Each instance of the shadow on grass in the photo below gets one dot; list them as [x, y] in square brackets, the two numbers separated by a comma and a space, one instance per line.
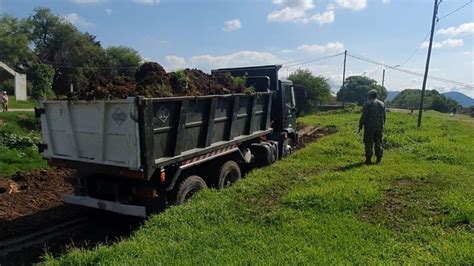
[350, 167]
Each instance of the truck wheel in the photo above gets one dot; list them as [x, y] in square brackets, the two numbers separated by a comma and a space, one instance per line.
[287, 147]
[188, 187]
[229, 173]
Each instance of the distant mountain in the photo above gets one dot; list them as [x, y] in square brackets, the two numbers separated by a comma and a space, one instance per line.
[391, 95]
[461, 98]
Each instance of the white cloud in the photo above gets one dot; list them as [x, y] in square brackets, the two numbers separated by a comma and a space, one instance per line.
[329, 48]
[232, 25]
[352, 4]
[241, 58]
[465, 28]
[290, 10]
[449, 43]
[295, 4]
[296, 11]
[77, 20]
[175, 62]
[325, 18]
[88, 1]
[147, 2]
[386, 1]
[108, 11]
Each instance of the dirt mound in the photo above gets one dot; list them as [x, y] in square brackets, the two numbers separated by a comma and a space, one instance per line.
[151, 80]
[28, 193]
[307, 134]
[102, 88]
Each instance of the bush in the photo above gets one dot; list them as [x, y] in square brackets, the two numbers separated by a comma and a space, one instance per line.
[42, 80]
[30, 123]
[8, 86]
[14, 141]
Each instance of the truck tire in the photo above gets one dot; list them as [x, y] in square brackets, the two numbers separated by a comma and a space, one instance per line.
[228, 174]
[286, 147]
[188, 187]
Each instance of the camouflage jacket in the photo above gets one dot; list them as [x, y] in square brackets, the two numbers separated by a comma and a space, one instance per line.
[373, 115]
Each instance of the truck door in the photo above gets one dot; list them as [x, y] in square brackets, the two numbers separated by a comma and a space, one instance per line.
[289, 106]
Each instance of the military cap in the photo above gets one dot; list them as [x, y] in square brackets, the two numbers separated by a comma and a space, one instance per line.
[372, 92]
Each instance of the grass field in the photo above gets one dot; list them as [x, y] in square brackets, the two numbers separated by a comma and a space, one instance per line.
[14, 104]
[18, 134]
[322, 206]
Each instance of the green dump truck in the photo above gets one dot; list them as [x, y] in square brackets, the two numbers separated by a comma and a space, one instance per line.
[139, 155]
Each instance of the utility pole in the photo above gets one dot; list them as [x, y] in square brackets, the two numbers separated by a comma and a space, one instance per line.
[427, 66]
[383, 77]
[343, 78]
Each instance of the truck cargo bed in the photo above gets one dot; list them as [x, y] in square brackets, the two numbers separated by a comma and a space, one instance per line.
[145, 134]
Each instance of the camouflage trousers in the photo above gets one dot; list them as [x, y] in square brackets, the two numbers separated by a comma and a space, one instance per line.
[373, 141]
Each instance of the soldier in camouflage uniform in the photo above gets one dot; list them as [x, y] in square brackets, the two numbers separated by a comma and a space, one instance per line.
[373, 120]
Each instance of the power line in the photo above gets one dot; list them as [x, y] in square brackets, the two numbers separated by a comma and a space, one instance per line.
[371, 61]
[455, 10]
[428, 33]
[303, 62]
[103, 68]
[416, 50]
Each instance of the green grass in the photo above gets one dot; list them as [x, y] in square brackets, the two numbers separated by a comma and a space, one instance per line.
[13, 159]
[322, 206]
[14, 104]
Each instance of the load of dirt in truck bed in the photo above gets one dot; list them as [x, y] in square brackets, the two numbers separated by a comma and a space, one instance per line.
[29, 198]
[152, 80]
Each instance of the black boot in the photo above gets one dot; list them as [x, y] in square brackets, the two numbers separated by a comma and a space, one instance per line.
[367, 160]
[379, 160]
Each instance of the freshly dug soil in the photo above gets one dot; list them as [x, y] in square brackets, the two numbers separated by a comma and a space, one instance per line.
[120, 88]
[32, 198]
[151, 80]
[308, 134]
[200, 83]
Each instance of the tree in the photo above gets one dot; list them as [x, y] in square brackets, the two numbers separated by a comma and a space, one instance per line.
[410, 99]
[318, 89]
[123, 61]
[357, 87]
[407, 99]
[41, 76]
[14, 49]
[75, 56]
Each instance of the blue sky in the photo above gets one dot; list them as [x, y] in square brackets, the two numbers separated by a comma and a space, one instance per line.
[210, 33]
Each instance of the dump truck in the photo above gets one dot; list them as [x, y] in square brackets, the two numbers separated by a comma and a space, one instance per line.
[139, 155]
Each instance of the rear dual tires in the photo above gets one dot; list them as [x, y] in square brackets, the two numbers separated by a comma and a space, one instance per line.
[228, 174]
[188, 188]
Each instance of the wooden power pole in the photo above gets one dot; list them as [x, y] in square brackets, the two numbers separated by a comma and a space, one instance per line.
[343, 78]
[427, 66]
[383, 77]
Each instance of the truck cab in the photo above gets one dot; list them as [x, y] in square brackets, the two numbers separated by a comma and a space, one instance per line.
[284, 110]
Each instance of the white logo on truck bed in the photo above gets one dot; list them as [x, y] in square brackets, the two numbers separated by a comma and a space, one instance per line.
[163, 114]
[119, 116]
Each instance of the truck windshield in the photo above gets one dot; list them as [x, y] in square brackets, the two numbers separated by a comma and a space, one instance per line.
[289, 97]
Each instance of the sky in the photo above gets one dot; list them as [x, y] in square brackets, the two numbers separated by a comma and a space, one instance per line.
[208, 34]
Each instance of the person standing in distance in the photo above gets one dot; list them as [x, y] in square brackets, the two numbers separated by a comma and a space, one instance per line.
[5, 101]
[373, 121]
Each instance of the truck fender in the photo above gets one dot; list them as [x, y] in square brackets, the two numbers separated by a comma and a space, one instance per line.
[292, 134]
